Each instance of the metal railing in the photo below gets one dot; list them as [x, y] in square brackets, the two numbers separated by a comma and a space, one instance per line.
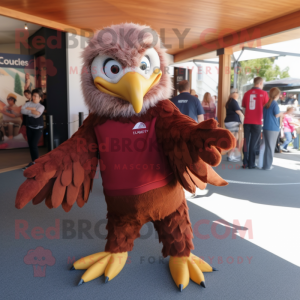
[50, 124]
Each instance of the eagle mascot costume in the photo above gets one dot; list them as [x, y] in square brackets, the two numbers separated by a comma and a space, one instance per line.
[148, 152]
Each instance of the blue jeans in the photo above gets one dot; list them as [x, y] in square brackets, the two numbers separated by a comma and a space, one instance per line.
[288, 139]
[251, 139]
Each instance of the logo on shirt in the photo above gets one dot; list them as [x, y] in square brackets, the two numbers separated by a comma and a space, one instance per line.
[183, 101]
[139, 128]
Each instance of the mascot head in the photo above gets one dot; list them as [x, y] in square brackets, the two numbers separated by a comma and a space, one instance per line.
[124, 71]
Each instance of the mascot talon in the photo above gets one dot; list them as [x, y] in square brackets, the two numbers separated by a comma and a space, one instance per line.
[109, 264]
[186, 267]
[148, 152]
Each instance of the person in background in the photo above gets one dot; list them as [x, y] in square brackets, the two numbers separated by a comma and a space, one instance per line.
[215, 98]
[28, 84]
[34, 123]
[12, 116]
[282, 99]
[290, 100]
[193, 93]
[234, 118]
[187, 104]
[209, 107]
[27, 94]
[253, 103]
[271, 127]
[289, 127]
[295, 101]
[215, 102]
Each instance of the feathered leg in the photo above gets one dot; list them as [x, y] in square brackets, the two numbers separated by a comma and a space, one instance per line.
[122, 231]
[175, 232]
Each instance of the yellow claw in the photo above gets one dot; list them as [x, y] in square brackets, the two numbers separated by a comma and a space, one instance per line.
[186, 267]
[101, 263]
[202, 265]
[115, 265]
[179, 271]
[85, 262]
[96, 270]
[195, 273]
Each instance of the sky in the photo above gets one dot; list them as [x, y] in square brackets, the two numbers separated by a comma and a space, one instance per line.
[288, 61]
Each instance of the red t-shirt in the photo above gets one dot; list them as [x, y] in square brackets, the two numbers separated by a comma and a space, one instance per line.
[132, 161]
[254, 101]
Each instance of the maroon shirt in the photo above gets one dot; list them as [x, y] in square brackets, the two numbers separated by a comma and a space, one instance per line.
[133, 161]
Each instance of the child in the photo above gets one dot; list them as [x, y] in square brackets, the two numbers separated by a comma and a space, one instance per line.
[289, 127]
[34, 123]
[27, 95]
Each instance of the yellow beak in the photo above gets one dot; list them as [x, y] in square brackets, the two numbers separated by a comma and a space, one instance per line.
[132, 87]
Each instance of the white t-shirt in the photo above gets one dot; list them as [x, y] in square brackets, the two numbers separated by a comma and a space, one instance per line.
[38, 106]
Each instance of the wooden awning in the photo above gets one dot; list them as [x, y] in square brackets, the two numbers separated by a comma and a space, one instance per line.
[208, 25]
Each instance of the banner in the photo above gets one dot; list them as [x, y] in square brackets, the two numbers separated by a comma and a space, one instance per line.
[17, 73]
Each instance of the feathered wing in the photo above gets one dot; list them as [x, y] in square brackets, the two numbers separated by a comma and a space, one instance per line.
[65, 175]
[192, 148]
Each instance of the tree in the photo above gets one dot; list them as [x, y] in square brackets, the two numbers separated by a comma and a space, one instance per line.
[262, 67]
[18, 86]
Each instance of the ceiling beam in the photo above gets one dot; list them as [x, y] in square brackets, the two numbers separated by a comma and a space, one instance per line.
[41, 21]
[252, 34]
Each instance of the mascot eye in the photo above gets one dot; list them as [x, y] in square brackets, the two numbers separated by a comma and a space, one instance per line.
[111, 68]
[145, 63]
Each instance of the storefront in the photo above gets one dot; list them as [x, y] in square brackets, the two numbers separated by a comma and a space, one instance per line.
[35, 61]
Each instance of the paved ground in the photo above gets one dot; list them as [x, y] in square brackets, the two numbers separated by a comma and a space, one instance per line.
[248, 230]
[15, 157]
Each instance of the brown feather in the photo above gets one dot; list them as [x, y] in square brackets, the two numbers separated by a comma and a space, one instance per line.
[86, 187]
[186, 154]
[33, 171]
[92, 182]
[79, 200]
[78, 173]
[43, 192]
[72, 193]
[27, 191]
[214, 178]
[208, 124]
[177, 151]
[66, 177]
[195, 146]
[54, 172]
[45, 175]
[48, 201]
[66, 207]
[197, 181]
[58, 192]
